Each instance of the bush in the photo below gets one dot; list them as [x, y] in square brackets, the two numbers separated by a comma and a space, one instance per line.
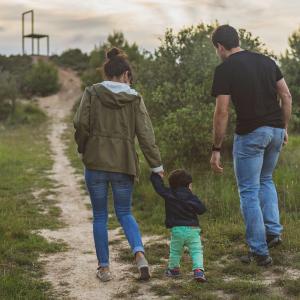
[27, 113]
[42, 79]
[8, 94]
[185, 134]
[72, 58]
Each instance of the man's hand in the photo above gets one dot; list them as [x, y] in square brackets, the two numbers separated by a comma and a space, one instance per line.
[286, 138]
[215, 162]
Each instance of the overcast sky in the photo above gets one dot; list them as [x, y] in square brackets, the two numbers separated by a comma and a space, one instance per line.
[85, 23]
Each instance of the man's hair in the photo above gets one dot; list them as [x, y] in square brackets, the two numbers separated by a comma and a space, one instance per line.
[227, 36]
[179, 178]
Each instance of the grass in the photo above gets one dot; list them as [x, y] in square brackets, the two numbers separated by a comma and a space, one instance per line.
[223, 234]
[24, 159]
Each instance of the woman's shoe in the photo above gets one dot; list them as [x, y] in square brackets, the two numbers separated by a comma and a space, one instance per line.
[103, 274]
[143, 267]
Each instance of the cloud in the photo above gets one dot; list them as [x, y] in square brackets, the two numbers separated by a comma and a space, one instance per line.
[82, 24]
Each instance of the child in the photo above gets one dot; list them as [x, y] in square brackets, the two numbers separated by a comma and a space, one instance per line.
[182, 208]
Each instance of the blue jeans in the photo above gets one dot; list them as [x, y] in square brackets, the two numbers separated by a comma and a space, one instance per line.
[97, 183]
[255, 158]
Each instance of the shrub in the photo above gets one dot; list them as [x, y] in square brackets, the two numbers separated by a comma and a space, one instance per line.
[42, 79]
[8, 94]
[72, 58]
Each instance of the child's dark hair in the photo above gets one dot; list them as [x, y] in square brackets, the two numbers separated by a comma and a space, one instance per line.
[179, 178]
[227, 36]
[116, 64]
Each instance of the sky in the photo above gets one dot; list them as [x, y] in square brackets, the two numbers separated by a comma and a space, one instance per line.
[84, 24]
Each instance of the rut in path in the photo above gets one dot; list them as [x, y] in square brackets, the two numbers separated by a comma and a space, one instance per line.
[72, 273]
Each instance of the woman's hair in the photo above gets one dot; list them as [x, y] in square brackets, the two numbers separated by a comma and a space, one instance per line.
[179, 178]
[116, 64]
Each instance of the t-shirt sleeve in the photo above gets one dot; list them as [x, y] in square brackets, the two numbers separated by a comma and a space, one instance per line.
[221, 81]
[278, 73]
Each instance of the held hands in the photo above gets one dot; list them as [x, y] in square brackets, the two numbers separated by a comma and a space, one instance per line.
[215, 162]
[161, 174]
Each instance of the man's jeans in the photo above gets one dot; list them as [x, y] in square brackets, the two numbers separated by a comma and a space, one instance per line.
[255, 158]
[122, 186]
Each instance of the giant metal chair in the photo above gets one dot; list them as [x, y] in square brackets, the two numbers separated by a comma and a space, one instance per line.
[33, 36]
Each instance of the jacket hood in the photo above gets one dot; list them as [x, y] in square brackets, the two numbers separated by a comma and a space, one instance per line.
[115, 95]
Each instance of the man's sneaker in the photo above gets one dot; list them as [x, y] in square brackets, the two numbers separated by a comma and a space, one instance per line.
[273, 240]
[199, 275]
[103, 274]
[143, 267]
[261, 260]
[175, 272]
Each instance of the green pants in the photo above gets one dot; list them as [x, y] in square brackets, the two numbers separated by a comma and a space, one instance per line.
[185, 236]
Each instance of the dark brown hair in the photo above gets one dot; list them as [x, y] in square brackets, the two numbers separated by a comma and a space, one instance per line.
[179, 178]
[116, 64]
[227, 36]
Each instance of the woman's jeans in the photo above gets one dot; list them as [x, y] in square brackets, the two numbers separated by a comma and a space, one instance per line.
[255, 158]
[122, 186]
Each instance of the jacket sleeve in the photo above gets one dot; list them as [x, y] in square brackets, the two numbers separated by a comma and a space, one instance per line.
[82, 121]
[196, 205]
[159, 186]
[146, 137]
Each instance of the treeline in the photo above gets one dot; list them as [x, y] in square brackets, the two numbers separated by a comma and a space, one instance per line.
[175, 82]
[21, 79]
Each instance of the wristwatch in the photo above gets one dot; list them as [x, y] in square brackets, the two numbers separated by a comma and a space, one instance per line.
[217, 149]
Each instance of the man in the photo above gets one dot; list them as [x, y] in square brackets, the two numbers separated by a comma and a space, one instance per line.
[253, 82]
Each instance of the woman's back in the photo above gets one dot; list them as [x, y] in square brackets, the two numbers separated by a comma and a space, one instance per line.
[110, 115]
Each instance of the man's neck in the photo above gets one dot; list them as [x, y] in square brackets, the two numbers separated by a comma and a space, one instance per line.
[234, 50]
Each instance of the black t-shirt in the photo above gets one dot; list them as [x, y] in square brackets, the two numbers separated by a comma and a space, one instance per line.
[250, 79]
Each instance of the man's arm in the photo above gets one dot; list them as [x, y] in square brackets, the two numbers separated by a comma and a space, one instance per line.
[219, 129]
[286, 103]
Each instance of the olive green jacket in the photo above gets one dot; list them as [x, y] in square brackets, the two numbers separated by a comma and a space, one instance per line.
[106, 124]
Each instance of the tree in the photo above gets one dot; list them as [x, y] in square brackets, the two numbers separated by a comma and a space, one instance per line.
[97, 57]
[42, 79]
[177, 89]
[72, 58]
[290, 64]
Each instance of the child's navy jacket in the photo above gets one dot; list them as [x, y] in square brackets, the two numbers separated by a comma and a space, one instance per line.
[182, 206]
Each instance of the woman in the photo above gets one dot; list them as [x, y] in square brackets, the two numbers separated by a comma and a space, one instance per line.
[111, 114]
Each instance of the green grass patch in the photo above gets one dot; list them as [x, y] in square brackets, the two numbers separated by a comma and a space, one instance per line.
[24, 160]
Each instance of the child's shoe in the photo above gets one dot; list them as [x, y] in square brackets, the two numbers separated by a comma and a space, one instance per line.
[175, 272]
[199, 275]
